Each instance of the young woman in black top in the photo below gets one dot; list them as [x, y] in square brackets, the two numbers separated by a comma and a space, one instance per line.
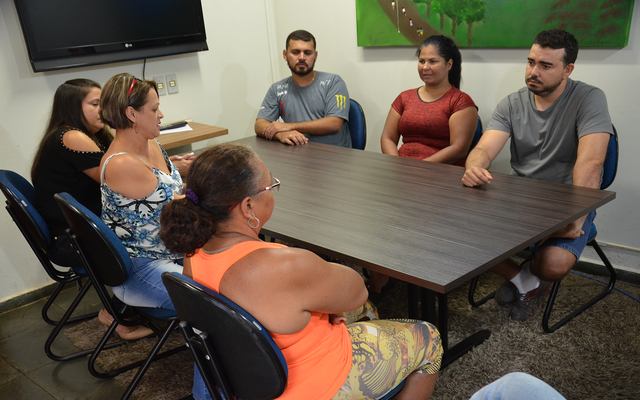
[68, 160]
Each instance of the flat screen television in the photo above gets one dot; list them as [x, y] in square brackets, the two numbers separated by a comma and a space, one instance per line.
[72, 33]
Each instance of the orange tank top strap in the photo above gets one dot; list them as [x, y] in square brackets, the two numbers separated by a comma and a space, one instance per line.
[209, 269]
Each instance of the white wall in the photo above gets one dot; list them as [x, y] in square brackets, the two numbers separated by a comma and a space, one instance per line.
[225, 87]
[375, 76]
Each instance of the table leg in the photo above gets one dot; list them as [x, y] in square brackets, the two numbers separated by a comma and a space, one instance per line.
[429, 306]
[428, 298]
[443, 319]
[412, 296]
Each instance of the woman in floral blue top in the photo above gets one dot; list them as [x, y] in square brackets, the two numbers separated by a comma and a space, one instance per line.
[137, 179]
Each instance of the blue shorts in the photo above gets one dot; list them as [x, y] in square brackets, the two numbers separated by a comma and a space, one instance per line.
[575, 246]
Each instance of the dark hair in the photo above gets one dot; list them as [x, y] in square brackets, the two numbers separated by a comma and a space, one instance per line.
[116, 98]
[557, 39]
[67, 111]
[300, 35]
[220, 177]
[448, 50]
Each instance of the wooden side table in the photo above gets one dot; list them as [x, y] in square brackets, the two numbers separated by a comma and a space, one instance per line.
[199, 132]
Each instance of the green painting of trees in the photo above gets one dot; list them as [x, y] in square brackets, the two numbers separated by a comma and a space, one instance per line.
[474, 11]
[593, 21]
[496, 23]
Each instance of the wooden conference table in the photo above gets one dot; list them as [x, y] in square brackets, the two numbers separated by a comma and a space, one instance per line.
[410, 219]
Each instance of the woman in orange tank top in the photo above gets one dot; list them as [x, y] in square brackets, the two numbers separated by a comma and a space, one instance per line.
[308, 305]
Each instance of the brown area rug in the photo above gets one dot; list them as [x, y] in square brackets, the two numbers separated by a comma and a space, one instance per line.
[595, 356]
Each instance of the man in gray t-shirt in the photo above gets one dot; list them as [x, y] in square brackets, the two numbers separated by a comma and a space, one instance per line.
[314, 105]
[559, 131]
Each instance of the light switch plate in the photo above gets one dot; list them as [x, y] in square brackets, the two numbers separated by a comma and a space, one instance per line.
[172, 84]
[162, 89]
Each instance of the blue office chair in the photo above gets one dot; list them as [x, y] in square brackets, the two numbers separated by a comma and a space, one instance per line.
[108, 264]
[234, 353]
[357, 125]
[20, 199]
[477, 135]
[609, 170]
[232, 350]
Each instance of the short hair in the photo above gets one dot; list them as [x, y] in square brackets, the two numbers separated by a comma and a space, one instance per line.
[557, 39]
[220, 177]
[448, 50]
[67, 111]
[300, 34]
[116, 98]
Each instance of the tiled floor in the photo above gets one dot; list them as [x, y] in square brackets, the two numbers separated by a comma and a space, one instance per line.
[25, 370]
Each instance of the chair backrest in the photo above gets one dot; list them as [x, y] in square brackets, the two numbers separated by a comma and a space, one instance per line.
[610, 166]
[99, 248]
[357, 125]
[20, 198]
[477, 135]
[245, 361]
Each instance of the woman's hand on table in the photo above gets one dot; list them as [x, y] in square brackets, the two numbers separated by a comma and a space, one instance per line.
[183, 162]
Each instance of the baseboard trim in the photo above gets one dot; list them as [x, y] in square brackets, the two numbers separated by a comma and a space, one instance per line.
[622, 258]
[27, 297]
[600, 270]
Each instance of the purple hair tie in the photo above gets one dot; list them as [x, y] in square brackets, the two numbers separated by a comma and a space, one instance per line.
[192, 195]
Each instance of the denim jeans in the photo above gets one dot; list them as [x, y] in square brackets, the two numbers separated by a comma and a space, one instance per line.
[200, 391]
[517, 386]
[144, 288]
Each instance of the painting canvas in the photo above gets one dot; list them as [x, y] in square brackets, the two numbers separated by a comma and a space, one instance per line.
[492, 23]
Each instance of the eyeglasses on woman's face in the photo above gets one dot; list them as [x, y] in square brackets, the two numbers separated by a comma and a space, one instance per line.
[275, 187]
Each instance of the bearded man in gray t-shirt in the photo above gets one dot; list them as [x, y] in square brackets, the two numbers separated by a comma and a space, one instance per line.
[313, 105]
[559, 131]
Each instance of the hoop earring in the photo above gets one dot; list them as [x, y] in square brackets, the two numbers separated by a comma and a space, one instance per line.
[135, 128]
[257, 225]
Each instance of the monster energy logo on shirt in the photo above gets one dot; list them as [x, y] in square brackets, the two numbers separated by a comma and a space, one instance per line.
[341, 101]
